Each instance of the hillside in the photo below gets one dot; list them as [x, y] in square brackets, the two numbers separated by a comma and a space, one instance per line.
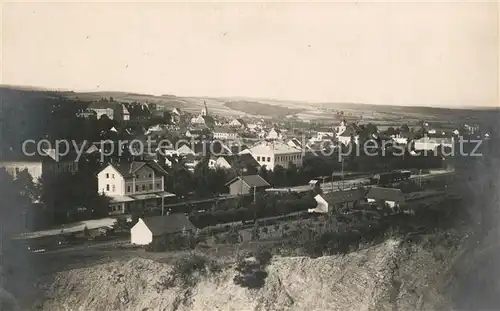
[237, 106]
[257, 108]
[388, 276]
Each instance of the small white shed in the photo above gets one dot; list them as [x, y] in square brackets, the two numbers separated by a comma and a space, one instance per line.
[146, 229]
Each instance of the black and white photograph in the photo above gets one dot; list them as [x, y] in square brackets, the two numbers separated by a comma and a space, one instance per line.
[250, 156]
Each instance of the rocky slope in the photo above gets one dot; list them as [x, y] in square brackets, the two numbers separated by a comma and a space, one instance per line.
[388, 276]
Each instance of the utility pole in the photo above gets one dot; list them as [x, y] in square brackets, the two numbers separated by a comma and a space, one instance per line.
[420, 178]
[343, 182]
[332, 181]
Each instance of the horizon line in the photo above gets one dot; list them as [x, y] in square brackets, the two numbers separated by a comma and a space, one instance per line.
[54, 89]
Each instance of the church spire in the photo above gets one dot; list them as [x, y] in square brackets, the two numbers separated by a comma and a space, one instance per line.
[204, 110]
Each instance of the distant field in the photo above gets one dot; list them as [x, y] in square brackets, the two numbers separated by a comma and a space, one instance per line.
[238, 106]
[256, 108]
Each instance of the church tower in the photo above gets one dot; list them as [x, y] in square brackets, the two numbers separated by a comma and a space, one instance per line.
[204, 110]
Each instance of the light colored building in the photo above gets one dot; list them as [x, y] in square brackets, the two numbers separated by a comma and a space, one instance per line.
[274, 134]
[40, 165]
[400, 138]
[332, 201]
[239, 162]
[248, 184]
[225, 133]
[238, 123]
[276, 153]
[137, 183]
[340, 128]
[350, 132]
[104, 111]
[294, 143]
[125, 113]
[428, 143]
[325, 132]
[147, 230]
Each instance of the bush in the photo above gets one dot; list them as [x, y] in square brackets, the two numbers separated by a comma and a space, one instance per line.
[251, 271]
[187, 271]
[174, 242]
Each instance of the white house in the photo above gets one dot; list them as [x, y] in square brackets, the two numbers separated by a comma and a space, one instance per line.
[325, 132]
[349, 132]
[427, 143]
[274, 134]
[294, 143]
[400, 138]
[37, 165]
[146, 230]
[225, 133]
[237, 162]
[125, 113]
[185, 150]
[328, 202]
[276, 153]
[139, 182]
[238, 123]
[339, 129]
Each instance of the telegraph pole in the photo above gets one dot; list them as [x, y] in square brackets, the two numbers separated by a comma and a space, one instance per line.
[343, 182]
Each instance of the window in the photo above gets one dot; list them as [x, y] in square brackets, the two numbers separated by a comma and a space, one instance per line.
[113, 176]
[136, 188]
[107, 175]
[143, 187]
[113, 187]
[158, 186]
[150, 175]
[128, 188]
[268, 159]
[150, 186]
[258, 158]
[107, 187]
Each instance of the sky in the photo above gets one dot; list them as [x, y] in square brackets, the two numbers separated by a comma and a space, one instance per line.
[392, 53]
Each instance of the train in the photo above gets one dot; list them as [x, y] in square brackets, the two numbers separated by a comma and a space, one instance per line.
[389, 177]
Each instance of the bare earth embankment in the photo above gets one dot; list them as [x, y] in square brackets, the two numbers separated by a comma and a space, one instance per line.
[388, 276]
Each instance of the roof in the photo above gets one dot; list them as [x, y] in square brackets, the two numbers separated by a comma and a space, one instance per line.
[103, 105]
[120, 198]
[351, 129]
[241, 161]
[204, 148]
[168, 224]
[386, 194]
[251, 181]
[273, 147]
[337, 197]
[435, 140]
[220, 129]
[209, 120]
[128, 168]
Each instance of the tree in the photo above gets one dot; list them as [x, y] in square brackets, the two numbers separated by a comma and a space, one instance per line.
[73, 196]
[278, 176]
[264, 173]
[251, 169]
[182, 180]
[24, 182]
[292, 175]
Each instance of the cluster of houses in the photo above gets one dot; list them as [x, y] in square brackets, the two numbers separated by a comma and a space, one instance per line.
[140, 182]
[150, 229]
